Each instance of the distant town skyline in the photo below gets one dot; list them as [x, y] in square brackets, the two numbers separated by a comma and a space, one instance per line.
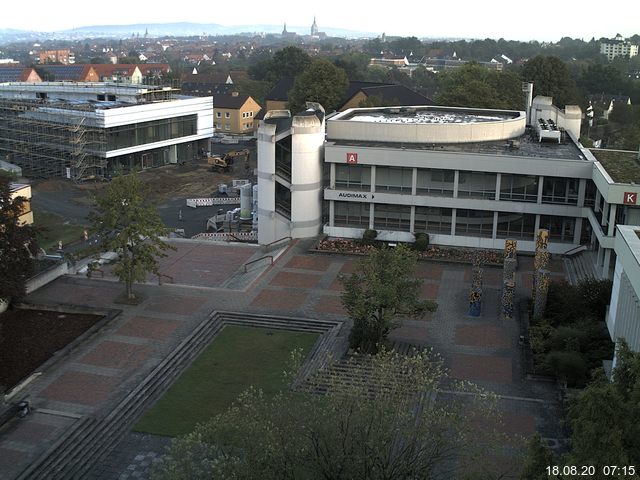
[464, 19]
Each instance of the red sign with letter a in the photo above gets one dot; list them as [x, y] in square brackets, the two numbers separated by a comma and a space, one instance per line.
[630, 198]
[352, 158]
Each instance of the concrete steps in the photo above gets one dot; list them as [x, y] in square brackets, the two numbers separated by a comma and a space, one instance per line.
[91, 439]
[579, 267]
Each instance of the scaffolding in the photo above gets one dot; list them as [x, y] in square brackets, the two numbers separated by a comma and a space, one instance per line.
[51, 139]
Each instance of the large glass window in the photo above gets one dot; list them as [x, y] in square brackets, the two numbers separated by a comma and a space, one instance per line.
[474, 223]
[560, 190]
[283, 200]
[392, 217]
[433, 220]
[516, 225]
[351, 214]
[477, 185]
[435, 182]
[394, 179]
[519, 188]
[590, 194]
[353, 177]
[560, 228]
[150, 132]
[283, 158]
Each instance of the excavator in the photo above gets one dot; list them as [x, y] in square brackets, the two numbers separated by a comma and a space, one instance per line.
[224, 163]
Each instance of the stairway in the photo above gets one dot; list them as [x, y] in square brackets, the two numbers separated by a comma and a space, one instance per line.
[580, 267]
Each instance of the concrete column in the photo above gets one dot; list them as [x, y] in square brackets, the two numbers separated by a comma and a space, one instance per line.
[414, 184]
[536, 227]
[456, 180]
[540, 185]
[412, 220]
[596, 206]
[577, 231]
[373, 179]
[494, 232]
[605, 212]
[332, 211]
[605, 265]
[453, 222]
[498, 180]
[599, 256]
[332, 177]
[371, 213]
[612, 219]
[582, 192]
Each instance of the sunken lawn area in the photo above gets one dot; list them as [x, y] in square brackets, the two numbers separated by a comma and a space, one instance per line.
[239, 357]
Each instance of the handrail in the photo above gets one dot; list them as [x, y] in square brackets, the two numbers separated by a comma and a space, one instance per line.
[257, 260]
[265, 247]
[575, 249]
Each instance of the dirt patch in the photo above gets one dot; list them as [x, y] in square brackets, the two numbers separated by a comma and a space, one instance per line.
[30, 337]
[53, 185]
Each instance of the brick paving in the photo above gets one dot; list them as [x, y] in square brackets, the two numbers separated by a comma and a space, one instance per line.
[95, 376]
[482, 368]
[481, 335]
[147, 327]
[112, 354]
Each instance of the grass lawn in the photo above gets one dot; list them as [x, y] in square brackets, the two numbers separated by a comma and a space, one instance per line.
[54, 229]
[238, 358]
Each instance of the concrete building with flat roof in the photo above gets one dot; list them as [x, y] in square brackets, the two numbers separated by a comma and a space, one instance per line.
[468, 177]
[81, 130]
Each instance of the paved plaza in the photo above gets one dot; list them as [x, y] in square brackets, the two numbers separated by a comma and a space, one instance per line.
[97, 375]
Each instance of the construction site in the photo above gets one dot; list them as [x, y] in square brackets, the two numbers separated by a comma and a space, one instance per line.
[84, 131]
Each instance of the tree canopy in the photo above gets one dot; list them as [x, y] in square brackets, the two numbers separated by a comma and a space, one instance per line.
[321, 82]
[130, 226]
[381, 288]
[475, 86]
[383, 421]
[551, 78]
[288, 62]
[16, 243]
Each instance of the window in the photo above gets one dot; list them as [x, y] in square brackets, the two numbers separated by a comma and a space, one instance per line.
[560, 190]
[392, 217]
[394, 179]
[477, 185]
[519, 188]
[351, 214]
[435, 182]
[354, 177]
[227, 126]
[560, 228]
[227, 115]
[218, 114]
[516, 225]
[251, 114]
[474, 223]
[433, 220]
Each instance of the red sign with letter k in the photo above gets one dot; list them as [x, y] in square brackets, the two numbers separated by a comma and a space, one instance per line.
[630, 198]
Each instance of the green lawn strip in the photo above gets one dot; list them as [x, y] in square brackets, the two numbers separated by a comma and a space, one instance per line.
[238, 358]
[52, 229]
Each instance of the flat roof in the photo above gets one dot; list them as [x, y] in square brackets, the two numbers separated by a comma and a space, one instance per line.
[526, 145]
[427, 115]
[622, 166]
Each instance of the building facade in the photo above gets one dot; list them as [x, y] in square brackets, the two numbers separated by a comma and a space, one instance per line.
[22, 190]
[467, 177]
[618, 47]
[234, 113]
[81, 130]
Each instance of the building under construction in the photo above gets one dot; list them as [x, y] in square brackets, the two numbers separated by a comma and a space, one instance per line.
[88, 130]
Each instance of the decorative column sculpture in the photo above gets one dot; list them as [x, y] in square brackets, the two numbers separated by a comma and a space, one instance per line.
[509, 278]
[475, 295]
[540, 263]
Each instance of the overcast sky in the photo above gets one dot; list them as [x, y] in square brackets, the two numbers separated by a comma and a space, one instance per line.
[510, 19]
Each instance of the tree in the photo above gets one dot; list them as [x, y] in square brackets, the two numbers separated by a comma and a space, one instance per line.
[475, 86]
[321, 82]
[380, 289]
[130, 226]
[382, 422]
[288, 62]
[16, 241]
[539, 457]
[551, 78]
[605, 416]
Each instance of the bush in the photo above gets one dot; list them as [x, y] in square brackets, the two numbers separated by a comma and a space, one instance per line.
[568, 339]
[369, 236]
[570, 366]
[422, 242]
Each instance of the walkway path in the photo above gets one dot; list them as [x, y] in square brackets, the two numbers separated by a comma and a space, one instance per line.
[91, 380]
